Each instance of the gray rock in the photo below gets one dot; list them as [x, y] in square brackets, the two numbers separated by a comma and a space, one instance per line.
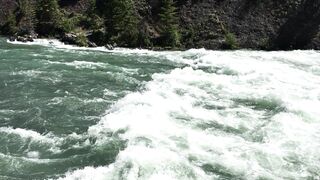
[12, 38]
[69, 38]
[22, 39]
[109, 47]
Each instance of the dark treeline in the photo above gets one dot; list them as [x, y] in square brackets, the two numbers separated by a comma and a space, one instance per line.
[115, 22]
[167, 24]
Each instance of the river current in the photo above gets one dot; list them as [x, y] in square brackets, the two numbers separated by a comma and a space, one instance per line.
[73, 113]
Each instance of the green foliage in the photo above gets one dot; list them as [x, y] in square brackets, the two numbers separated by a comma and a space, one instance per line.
[169, 23]
[264, 43]
[49, 17]
[144, 40]
[81, 39]
[91, 20]
[69, 23]
[121, 22]
[92, 8]
[26, 15]
[10, 27]
[98, 37]
[230, 40]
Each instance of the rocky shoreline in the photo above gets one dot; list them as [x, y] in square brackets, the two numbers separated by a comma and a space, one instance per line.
[68, 39]
[27, 39]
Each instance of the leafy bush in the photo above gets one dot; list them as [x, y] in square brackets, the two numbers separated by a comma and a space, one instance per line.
[82, 39]
[92, 21]
[69, 23]
[230, 41]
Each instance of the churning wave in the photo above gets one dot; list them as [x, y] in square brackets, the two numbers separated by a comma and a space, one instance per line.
[225, 115]
[220, 115]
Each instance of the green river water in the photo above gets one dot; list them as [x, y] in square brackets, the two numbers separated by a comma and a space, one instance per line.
[94, 114]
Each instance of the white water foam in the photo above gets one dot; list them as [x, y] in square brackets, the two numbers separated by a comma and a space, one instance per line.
[81, 64]
[53, 43]
[42, 42]
[29, 134]
[27, 73]
[238, 114]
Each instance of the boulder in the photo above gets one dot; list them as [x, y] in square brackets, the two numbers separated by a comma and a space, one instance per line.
[12, 38]
[69, 38]
[22, 39]
[29, 38]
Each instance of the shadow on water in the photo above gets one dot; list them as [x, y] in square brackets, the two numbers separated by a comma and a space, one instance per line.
[221, 171]
[270, 106]
[218, 70]
[220, 127]
[267, 107]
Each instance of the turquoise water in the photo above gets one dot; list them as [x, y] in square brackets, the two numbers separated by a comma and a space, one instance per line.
[81, 113]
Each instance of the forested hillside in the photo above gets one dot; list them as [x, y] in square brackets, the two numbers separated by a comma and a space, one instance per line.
[167, 24]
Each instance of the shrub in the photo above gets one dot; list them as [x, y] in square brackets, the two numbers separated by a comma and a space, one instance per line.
[82, 39]
[69, 23]
[230, 41]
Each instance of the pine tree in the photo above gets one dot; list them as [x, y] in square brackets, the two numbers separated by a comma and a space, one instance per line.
[169, 23]
[49, 17]
[10, 27]
[92, 19]
[122, 22]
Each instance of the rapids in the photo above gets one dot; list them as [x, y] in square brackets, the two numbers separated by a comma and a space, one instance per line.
[72, 113]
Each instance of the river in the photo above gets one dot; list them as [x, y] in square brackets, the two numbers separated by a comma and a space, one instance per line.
[73, 113]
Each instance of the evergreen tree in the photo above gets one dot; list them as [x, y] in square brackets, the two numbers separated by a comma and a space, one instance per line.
[91, 19]
[10, 27]
[169, 22]
[49, 17]
[92, 7]
[122, 22]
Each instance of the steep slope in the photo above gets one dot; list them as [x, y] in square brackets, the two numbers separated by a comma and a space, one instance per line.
[220, 24]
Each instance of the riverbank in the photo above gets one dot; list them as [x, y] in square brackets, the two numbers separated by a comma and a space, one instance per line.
[243, 24]
[56, 43]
